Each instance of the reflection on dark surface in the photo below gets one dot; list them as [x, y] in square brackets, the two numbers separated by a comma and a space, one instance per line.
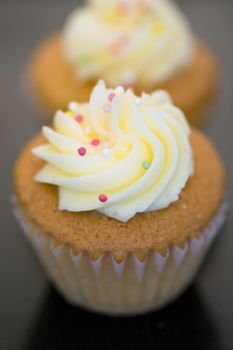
[185, 324]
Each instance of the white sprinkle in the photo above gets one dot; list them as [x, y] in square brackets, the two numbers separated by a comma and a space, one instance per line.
[106, 153]
[73, 106]
[105, 144]
[87, 130]
[138, 101]
[106, 108]
[119, 90]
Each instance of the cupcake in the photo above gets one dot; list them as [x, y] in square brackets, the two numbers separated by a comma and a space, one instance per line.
[120, 200]
[144, 44]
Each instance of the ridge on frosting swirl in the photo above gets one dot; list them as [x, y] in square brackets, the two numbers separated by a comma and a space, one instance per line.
[128, 42]
[119, 154]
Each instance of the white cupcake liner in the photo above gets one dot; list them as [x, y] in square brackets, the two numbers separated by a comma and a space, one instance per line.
[126, 288]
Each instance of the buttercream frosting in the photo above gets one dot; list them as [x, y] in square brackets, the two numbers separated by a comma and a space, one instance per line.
[119, 154]
[128, 41]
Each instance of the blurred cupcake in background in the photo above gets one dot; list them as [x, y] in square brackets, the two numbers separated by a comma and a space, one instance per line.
[121, 200]
[143, 44]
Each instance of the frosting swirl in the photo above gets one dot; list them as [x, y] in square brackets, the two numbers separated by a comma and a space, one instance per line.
[119, 154]
[128, 41]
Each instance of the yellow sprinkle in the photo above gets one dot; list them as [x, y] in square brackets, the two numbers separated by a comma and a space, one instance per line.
[114, 17]
[158, 28]
[92, 135]
[103, 57]
[119, 154]
[69, 114]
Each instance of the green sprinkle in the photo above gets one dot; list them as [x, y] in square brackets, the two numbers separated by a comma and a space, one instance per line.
[86, 60]
[146, 164]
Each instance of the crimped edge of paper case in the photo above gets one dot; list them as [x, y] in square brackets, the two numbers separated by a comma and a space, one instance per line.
[131, 287]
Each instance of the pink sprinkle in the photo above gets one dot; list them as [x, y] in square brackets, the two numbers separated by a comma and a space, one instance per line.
[95, 142]
[82, 151]
[119, 45]
[123, 8]
[79, 118]
[106, 108]
[144, 7]
[111, 97]
[103, 198]
[129, 85]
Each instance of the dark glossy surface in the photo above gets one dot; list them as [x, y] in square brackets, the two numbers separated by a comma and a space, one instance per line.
[32, 315]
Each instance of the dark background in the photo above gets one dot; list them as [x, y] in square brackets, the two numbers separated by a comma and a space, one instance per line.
[32, 315]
